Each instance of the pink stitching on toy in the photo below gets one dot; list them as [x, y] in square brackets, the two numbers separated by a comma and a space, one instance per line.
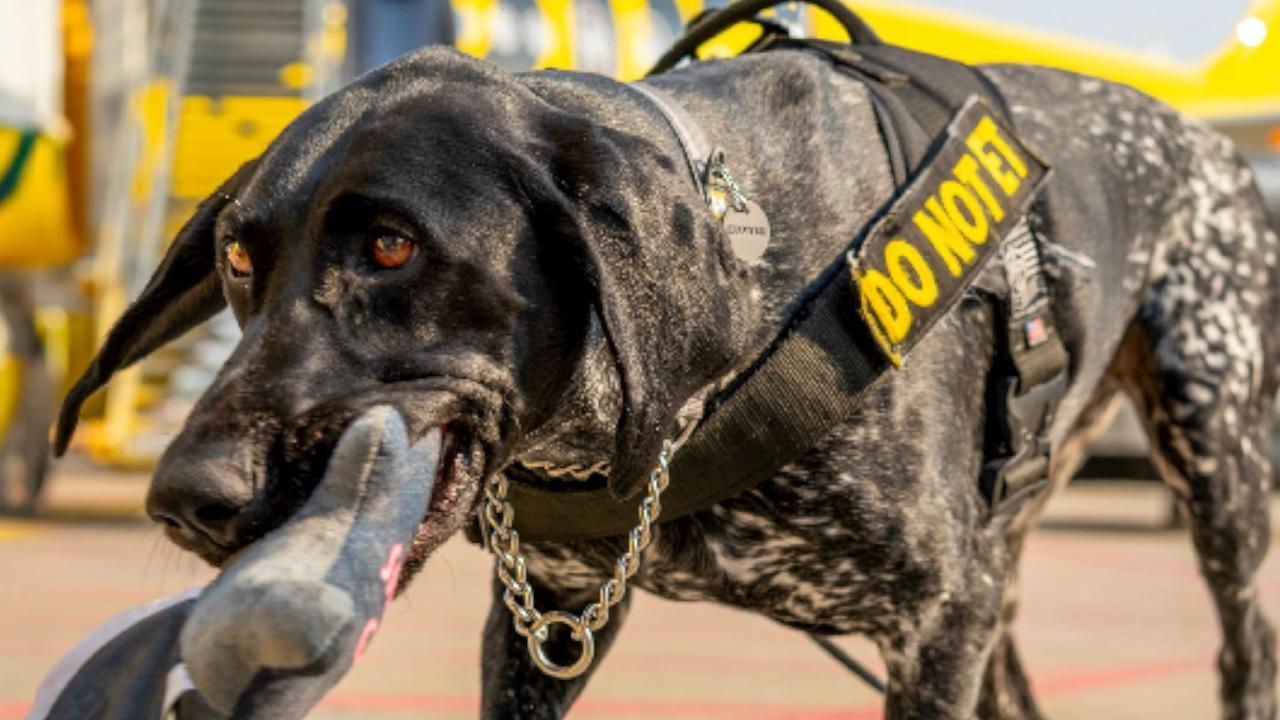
[366, 635]
[390, 571]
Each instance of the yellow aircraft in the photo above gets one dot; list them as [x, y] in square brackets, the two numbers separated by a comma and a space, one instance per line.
[1237, 88]
[623, 37]
[1238, 84]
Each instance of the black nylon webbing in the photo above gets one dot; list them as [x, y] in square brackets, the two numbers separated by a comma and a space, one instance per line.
[814, 378]
[815, 374]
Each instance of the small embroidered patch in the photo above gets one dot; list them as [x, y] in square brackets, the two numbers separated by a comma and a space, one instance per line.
[370, 628]
[390, 571]
[1036, 331]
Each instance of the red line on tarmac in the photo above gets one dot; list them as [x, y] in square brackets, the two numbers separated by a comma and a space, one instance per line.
[370, 701]
[1085, 679]
[617, 707]
[1059, 684]
[1110, 556]
[718, 709]
[1062, 683]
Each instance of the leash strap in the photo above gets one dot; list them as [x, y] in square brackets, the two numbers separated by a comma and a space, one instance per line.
[849, 662]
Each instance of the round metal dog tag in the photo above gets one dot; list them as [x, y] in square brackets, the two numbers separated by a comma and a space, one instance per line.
[748, 231]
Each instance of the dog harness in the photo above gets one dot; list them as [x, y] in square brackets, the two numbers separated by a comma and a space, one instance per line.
[967, 190]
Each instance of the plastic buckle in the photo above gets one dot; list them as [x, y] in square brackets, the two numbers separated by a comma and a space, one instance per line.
[1027, 416]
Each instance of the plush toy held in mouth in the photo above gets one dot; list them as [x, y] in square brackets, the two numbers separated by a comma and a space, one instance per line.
[285, 619]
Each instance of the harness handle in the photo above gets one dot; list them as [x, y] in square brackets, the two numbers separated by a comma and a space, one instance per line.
[715, 22]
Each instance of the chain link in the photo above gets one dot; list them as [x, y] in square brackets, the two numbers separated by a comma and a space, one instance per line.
[512, 571]
[721, 170]
[715, 180]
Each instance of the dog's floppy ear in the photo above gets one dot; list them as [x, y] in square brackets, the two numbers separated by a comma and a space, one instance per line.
[670, 302]
[183, 292]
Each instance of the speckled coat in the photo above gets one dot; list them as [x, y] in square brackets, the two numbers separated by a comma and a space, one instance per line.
[1164, 275]
[571, 298]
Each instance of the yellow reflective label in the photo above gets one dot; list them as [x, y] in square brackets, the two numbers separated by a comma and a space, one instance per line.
[940, 232]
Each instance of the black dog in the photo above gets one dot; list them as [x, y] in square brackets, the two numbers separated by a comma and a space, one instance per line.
[524, 260]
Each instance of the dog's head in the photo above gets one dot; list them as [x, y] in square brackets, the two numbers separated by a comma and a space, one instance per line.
[435, 237]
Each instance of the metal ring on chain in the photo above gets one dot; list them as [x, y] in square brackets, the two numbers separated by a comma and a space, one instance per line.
[511, 570]
[538, 635]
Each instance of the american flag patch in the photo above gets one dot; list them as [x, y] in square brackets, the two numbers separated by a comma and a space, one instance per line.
[1036, 331]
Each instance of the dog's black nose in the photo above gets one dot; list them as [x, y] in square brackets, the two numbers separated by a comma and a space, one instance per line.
[199, 500]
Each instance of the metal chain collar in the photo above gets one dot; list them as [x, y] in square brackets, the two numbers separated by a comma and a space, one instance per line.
[512, 571]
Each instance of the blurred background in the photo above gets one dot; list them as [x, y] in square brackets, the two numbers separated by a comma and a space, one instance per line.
[117, 116]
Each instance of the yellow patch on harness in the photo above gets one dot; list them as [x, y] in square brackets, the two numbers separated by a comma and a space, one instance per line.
[943, 228]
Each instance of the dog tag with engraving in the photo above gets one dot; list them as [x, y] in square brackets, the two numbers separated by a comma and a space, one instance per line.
[748, 231]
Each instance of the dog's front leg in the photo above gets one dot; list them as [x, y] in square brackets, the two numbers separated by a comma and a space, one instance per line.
[936, 660]
[936, 672]
[513, 688]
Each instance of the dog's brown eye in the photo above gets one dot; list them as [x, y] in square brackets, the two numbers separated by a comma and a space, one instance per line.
[238, 259]
[391, 251]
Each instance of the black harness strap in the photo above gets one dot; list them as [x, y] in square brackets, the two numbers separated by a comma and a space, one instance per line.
[818, 370]
[918, 88]
[812, 380]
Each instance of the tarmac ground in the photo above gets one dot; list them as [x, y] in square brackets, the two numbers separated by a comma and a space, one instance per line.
[1115, 622]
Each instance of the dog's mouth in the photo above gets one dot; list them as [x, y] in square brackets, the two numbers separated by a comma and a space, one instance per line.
[458, 478]
[300, 458]
[466, 412]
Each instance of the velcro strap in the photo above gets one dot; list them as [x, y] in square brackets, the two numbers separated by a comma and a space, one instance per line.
[1034, 344]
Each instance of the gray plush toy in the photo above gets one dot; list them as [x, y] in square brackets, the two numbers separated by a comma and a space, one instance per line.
[286, 618]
